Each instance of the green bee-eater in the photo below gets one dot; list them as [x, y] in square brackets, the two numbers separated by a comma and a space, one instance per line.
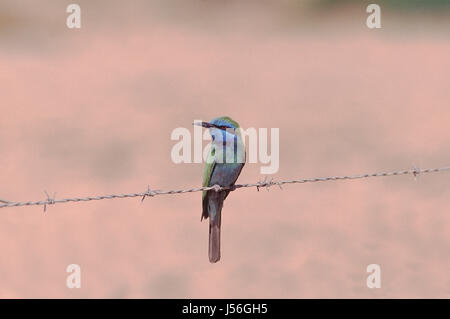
[223, 166]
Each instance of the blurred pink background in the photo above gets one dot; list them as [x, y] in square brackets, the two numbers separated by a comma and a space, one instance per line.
[90, 112]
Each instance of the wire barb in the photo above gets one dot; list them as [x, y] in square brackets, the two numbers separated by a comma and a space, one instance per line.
[149, 193]
[265, 183]
[415, 172]
[49, 200]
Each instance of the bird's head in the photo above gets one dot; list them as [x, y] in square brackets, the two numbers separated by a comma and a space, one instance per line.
[223, 123]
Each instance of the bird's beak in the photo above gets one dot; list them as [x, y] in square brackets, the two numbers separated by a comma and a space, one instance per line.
[204, 124]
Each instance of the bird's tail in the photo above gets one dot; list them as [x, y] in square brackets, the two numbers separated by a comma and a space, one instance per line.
[215, 214]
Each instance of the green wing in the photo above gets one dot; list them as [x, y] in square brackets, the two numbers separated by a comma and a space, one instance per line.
[209, 167]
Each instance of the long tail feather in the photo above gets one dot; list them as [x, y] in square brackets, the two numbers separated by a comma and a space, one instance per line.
[214, 241]
[215, 216]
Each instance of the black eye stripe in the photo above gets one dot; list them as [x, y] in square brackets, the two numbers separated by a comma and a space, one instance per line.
[224, 127]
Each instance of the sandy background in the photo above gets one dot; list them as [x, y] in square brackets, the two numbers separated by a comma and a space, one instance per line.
[90, 112]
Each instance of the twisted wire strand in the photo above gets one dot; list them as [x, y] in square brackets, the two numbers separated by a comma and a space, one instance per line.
[261, 184]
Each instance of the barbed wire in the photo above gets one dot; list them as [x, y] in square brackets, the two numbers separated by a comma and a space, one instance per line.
[266, 183]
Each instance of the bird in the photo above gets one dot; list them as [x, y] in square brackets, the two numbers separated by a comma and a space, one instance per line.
[224, 163]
